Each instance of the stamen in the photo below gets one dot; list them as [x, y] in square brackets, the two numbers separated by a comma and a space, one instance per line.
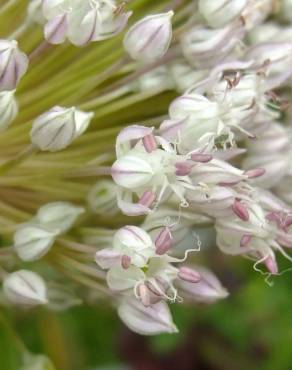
[149, 143]
[147, 199]
[240, 210]
[126, 261]
[189, 275]
[256, 172]
[201, 157]
[183, 168]
[163, 241]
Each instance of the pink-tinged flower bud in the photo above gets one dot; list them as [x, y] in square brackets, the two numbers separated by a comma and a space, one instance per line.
[240, 210]
[221, 12]
[149, 143]
[189, 275]
[183, 168]
[149, 39]
[57, 128]
[13, 64]
[163, 241]
[152, 320]
[25, 288]
[207, 290]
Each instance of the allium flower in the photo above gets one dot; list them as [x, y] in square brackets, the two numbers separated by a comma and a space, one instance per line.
[195, 95]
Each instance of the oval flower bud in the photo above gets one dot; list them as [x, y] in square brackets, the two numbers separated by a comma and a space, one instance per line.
[221, 12]
[58, 127]
[8, 108]
[34, 11]
[102, 198]
[58, 215]
[151, 320]
[31, 242]
[25, 287]
[149, 39]
[13, 64]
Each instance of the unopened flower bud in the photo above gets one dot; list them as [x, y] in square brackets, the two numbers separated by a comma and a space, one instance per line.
[8, 108]
[102, 198]
[32, 242]
[163, 241]
[58, 215]
[152, 320]
[25, 287]
[34, 11]
[13, 64]
[221, 12]
[57, 128]
[149, 39]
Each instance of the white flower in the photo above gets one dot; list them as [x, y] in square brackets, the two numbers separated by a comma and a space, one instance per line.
[220, 12]
[149, 170]
[13, 64]
[82, 21]
[32, 242]
[25, 288]
[58, 127]
[152, 320]
[8, 108]
[58, 215]
[149, 39]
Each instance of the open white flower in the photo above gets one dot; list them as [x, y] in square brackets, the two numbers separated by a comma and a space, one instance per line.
[83, 21]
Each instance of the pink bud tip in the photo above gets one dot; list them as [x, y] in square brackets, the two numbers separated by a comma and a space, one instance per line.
[271, 265]
[256, 172]
[189, 275]
[183, 168]
[126, 262]
[163, 241]
[246, 238]
[201, 157]
[240, 210]
[147, 199]
[149, 143]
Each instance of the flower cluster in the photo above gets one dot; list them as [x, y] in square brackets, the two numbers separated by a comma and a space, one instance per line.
[195, 96]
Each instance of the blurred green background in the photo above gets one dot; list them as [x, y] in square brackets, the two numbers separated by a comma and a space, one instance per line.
[252, 329]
